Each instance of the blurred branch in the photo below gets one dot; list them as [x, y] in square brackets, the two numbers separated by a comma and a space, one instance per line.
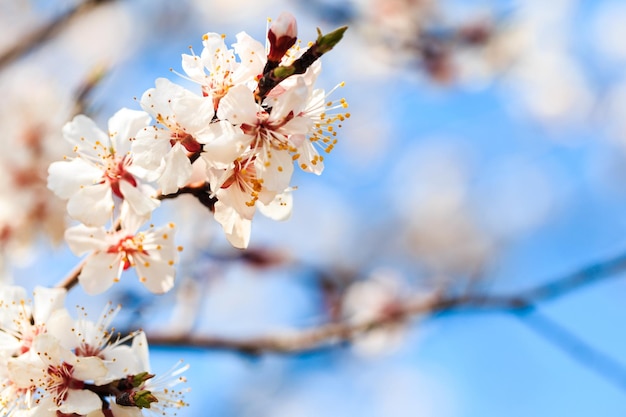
[576, 348]
[33, 40]
[81, 95]
[332, 333]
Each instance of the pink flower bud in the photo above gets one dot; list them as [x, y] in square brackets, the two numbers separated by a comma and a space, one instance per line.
[282, 35]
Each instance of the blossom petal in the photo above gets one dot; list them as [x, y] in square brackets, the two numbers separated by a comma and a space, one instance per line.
[82, 132]
[65, 178]
[156, 274]
[150, 146]
[92, 205]
[82, 239]
[238, 106]
[25, 369]
[124, 125]
[139, 198]
[252, 52]
[101, 270]
[236, 228]
[279, 208]
[193, 112]
[177, 170]
[120, 361]
[87, 368]
[60, 325]
[275, 167]
[45, 301]
[80, 402]
[193, 66]
[223, 143]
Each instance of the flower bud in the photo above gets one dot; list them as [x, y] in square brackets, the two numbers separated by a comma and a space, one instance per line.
[139, 399]
[140, 379]
[282, 35]
[327, 42]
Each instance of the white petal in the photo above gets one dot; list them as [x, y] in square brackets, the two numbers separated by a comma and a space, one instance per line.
[60, 325]
[12, 294]
[131, 221]
[139, 198]
[279, 208]
[150, 146]
[80, 402]
[223, 143]
[309, 159]
[238, 200]
[292, 100]
[45, 301]
[177, 170]
[156, 100]
[25, 369]
[49, 350]
[120, 362]
[125, 124]
[275, 167]
[193, 112]
[87, 368]
[156, 274]
[66, 178]
[140, 350]
[252, 52]
[92, 205]
[236, 228]
[83, 132]
[193, 66]
[238, 106]
[8, 344]
[101, 270]
[82, 239]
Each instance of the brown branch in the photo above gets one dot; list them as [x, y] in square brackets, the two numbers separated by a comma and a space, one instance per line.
[200, 190]
[46, 32]
[299, 341]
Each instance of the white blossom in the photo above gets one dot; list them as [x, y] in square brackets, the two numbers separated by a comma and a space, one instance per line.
[152, 253]
[102, 170]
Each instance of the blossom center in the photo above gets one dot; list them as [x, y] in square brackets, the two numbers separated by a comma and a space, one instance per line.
[244, 176]
[186, 140]
[128, 246]
[267, 131]
[86, 350]
[60, 381]
[116, 171]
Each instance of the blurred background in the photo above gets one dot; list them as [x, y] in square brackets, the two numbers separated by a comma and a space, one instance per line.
[485, 157]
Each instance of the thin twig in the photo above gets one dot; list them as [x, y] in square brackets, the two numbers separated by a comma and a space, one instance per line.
[200, 190]
[332, 333]
[579, 350]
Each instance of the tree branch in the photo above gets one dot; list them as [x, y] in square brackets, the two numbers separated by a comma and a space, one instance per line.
[332, 333]
[47, 31]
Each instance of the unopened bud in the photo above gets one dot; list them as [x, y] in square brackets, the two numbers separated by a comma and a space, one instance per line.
[139, 399]
[327, 42]
[141, 378]
[144, 398]
[282, 35]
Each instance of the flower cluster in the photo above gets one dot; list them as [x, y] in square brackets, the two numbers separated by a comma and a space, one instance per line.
[257, 114]
[54, 365]
[233, 146]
